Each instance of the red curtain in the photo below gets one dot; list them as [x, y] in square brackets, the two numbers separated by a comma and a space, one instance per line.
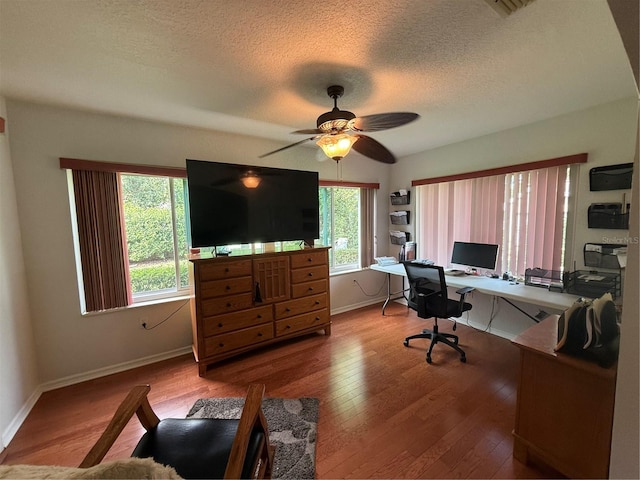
[101, 239]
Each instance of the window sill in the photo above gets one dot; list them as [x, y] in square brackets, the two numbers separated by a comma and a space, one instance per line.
[344, 272]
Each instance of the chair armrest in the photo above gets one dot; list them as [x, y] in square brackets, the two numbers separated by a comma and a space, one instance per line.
[252, 417]
[135, 402]
[464, 290]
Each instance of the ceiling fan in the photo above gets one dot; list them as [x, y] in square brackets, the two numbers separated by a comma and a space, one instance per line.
[338, 130]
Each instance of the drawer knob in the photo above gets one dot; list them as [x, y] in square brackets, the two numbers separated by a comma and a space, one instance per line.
[317, 302]
[310, 274]
[311, 289]
[228, 287]
[316, 319]
[260, 334]
[287, 309]
[226, 270]
[221, 344]
[228, 304]
[309, 259]
[259, 316]
[220, 325]
[288, 326]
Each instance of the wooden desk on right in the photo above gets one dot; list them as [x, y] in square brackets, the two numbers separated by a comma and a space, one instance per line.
[564, 412]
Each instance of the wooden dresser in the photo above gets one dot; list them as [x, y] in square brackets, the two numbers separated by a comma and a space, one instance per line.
[246, 302]
[564, 412]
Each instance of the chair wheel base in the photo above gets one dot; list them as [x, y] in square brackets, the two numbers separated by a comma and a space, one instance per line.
[463, 359]
[406, 343]
[428, 358]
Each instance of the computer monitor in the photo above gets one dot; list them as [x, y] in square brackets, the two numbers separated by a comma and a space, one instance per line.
[478, 255]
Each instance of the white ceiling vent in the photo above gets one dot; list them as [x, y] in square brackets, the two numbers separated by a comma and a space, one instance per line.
[507, 7]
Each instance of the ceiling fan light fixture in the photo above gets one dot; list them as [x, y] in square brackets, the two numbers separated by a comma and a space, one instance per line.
[338, 146]
[250, 179]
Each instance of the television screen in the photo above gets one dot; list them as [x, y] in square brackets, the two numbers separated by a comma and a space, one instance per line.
[231, 204]
[478, 255]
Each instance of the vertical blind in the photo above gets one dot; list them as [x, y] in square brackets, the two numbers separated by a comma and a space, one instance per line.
[523, 212]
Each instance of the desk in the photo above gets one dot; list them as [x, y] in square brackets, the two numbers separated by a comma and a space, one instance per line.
[564, 410]
[489, 286]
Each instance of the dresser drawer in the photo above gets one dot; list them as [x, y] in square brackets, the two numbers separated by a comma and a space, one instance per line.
[302, 322]
[308, 288]
[308, 274]
[224, 287]
[237, 320]
[291, 308]
[226, 342]
[216, 270]
[231, 303]
[308, 259]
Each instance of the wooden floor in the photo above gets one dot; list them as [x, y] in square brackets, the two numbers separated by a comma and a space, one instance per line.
[384, 412]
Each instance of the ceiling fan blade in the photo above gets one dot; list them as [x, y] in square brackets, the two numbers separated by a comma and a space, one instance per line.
[371, 148]
[284, 148]
[310, 131]
[382, 121]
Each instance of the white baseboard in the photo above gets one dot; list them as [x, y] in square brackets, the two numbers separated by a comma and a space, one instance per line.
[15, 424]
[355, 306]
[111, 369]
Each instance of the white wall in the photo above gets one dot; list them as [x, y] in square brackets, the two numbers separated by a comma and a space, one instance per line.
[18, 374]
[69, 344]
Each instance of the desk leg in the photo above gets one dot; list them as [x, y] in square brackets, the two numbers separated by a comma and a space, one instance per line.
[384, 305]
[389, 293]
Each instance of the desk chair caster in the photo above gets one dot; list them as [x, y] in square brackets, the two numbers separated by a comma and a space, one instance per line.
[437, 337]
[463, 359]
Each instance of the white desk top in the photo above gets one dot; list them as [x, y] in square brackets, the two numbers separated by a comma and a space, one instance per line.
[501, 288]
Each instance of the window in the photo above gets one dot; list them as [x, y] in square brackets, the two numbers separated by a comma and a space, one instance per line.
[156, 234]
[346, 224]
[131, 231]
[526, 212]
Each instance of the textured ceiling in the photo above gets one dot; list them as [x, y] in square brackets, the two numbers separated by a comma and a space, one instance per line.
[262, 67]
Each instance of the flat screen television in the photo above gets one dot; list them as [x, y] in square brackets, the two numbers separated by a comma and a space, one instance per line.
[478, 255]
[235, 204]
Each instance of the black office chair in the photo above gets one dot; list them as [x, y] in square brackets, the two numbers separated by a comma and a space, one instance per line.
[428, 296]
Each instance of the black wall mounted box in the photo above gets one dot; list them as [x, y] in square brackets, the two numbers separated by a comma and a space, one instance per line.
[607, 215]
[611, 177]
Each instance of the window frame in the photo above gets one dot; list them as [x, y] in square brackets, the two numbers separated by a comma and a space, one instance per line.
[366, 224]
[178, 290]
